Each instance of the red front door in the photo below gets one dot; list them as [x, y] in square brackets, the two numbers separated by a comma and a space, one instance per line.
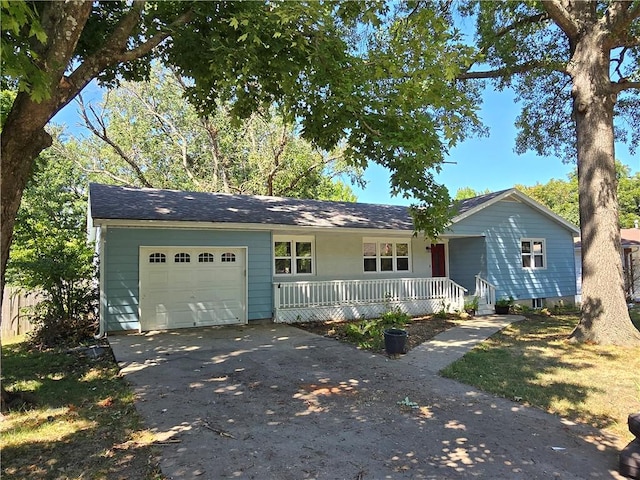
[438, 266]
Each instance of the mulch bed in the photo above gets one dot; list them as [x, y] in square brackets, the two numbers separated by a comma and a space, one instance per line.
[420, 329]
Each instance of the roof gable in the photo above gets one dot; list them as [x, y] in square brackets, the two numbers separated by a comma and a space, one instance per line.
[471, 206]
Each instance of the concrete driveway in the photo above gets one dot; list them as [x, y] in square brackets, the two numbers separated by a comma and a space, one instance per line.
[275, 402]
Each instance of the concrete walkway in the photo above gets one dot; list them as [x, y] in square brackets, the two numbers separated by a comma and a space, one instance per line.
[272, 401]
[449, 346]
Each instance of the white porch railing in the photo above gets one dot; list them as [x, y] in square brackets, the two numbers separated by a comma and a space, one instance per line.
[350, 299]
[485, 291]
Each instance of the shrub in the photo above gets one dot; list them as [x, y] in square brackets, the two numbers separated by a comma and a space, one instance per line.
[68, 327]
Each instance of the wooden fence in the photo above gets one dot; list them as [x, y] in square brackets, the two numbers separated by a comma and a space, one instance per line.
[14, 320]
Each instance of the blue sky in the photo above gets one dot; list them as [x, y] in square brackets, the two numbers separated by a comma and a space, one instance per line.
[481, 163]
[488, 162]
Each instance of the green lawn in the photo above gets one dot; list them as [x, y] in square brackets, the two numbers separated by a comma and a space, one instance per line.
[84, 424]
[532, 362]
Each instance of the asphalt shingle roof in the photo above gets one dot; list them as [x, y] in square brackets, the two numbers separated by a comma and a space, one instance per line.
[464, 206]
[109, 202]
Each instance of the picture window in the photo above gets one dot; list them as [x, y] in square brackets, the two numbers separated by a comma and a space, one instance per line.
[293, 255]
[385, 256]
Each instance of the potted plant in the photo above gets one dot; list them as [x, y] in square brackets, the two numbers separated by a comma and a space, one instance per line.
[471, 306]
[395, 336]
[503, 305]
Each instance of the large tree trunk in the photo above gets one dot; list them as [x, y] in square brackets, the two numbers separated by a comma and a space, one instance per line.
[605, 316]
[22, 142]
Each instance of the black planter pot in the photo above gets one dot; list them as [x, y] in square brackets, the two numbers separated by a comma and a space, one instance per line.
[502, 309]
[395, 341]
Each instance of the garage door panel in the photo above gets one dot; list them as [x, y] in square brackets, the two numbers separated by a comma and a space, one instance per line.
[204, 291]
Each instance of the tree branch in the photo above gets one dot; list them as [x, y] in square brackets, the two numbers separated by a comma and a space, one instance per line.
[507, 71]
[622, 85]
[523, 21]
[115, 51]
[102, 135]
[560, 15]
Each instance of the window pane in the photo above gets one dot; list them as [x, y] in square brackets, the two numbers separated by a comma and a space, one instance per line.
[205, 258]
[303, 249]
[228, 257]
[403, 264]
[282, 249]
[538, 261]
[369, 249]
[157, 258]
[283, 265]
[537, 247]
[303, 265]
[526, 261]
[402, 249]
[386, 264]
[182, 258]
[526, 247]
[369, 264]
[386, 249]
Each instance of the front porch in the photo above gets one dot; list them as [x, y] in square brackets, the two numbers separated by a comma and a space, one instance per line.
[353, 299]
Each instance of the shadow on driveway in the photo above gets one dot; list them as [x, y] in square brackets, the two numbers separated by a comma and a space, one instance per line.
[276, 402]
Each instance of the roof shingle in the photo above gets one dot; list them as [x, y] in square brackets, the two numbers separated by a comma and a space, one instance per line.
[109, 202]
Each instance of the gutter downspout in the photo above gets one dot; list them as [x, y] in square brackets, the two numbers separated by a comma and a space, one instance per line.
[101, 240]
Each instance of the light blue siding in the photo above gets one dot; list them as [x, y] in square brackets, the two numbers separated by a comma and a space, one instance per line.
[121, 267]
[503, 225]
[467, 258]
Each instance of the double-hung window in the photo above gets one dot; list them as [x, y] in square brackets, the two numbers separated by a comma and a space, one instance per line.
[533, 253]
[293, 255]
[385, 255]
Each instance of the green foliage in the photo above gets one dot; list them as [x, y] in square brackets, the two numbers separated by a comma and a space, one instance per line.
[376, 78]
[529, 53]
[6, 100]
[22, 34]
[369, 334]
[561, 196]
[50, 253]
[505, 301]
[145, 135]
[471, 304]
[468, 192]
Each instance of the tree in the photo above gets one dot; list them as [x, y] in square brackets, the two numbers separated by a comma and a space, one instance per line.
[143, 134]
[574, 66]
[344, 69]
[50, 252]
[561, 196]
[468, 192]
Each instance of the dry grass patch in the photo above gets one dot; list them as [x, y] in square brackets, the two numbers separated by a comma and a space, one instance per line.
[79, 421]
[532, 362]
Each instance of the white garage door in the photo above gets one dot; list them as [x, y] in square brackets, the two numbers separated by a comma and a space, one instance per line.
[192, 286]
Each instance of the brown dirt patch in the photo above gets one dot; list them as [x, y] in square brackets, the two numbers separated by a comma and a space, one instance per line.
[419, 330]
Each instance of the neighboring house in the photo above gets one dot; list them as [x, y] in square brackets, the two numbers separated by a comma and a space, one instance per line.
[630, 255]
[171, 259]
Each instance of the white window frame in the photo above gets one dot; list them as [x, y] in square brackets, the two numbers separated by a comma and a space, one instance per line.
[292, 240]
[533, 255]
[394, 256]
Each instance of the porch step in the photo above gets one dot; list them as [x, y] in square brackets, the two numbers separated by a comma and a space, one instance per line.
[484, 308]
